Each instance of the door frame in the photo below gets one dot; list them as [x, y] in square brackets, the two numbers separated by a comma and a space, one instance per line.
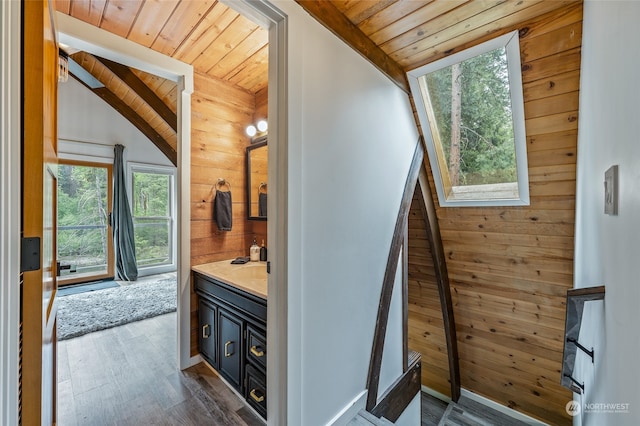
[69, 280]
[109, 46]
[10, 211]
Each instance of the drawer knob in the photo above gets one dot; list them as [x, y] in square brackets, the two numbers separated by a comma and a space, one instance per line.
[256, 351]
[255, 396]
[205, 333]
[227, 354]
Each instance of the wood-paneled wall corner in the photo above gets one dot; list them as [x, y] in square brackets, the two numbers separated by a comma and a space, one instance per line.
[510, 267]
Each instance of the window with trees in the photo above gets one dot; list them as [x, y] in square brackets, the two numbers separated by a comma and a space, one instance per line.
[83, 232]
[152, 205]
[470, 106]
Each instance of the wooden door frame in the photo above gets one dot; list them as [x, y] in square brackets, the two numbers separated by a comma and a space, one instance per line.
[110, 255]
[10, 212]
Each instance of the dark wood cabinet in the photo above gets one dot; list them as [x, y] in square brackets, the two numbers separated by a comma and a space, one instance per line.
[232, 337]
[230, 347]
[208, 336]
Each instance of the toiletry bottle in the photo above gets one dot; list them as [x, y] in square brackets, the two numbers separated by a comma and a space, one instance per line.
[254, 251]
[263, 252]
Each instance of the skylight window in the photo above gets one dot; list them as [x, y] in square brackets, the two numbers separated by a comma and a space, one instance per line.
[470, 106]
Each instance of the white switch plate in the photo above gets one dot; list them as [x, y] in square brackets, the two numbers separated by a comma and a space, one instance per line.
[611, 191]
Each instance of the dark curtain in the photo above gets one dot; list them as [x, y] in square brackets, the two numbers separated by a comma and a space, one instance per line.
[122, 223]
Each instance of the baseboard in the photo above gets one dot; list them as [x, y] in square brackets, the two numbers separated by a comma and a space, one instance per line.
[501, 408]
[350, 410]
[435, 394]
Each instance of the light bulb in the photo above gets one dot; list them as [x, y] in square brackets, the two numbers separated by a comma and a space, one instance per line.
[262, 125]
[251, 130]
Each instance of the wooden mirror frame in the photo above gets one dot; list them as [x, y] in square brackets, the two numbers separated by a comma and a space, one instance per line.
[250, 186]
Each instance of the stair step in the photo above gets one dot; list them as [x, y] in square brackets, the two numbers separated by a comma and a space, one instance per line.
[364, 418]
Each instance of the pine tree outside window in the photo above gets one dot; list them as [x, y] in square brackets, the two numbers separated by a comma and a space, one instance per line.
[470, 106]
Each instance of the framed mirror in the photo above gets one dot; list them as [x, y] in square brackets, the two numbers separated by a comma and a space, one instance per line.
[257, 172]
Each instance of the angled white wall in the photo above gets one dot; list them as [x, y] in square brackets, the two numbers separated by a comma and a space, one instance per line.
[351, 137]
[88, 126]
[607, 247]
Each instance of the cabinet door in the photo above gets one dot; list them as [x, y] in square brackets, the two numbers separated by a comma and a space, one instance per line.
[208, 332]
[230, 362]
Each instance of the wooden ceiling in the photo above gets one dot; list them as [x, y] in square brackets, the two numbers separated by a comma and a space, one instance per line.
[215, 39]
[400, 35]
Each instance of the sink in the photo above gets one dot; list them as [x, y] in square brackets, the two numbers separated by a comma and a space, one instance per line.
[248, 271]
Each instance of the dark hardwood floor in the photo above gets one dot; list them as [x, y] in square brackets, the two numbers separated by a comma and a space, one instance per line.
[128, 375]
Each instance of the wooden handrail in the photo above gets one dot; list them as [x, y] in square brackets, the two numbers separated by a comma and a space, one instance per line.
[442, 279]
[375, 364]
[576, 299]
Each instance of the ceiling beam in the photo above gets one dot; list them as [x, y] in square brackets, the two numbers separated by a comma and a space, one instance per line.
[140, 123]
[128, 113]
[125, 74]
[329, 16]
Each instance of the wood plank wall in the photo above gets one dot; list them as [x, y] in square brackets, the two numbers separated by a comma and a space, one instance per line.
[219, 115]
[510, 267]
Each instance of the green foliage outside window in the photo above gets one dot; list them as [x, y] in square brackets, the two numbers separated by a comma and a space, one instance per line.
[487, 149]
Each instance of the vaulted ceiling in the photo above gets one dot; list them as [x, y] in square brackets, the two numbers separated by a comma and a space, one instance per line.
[509, 268]
[395, 35]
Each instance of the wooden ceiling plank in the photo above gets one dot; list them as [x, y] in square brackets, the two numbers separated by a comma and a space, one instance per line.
[151, 18]
[405, 24]
[205, 33]
[89, 11]
[247, 48]
[138, 86]
[486, 26]
[184, 19]
[119, 16]
[327, 14]
[358, 11]
[391, 14]
[255, 71]
[433, 26]
[235, 33]
[139, 123]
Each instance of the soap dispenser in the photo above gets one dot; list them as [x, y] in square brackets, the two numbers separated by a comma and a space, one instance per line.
[263, 253]
[254, 251]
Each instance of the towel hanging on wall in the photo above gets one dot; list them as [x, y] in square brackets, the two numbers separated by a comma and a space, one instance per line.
[222, 212]
[262, 200]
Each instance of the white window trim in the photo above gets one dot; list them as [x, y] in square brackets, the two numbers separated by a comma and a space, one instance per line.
[173, 233]
[511, 42]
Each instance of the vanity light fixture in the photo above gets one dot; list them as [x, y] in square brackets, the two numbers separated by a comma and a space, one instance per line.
[251, 130]
[257, 132]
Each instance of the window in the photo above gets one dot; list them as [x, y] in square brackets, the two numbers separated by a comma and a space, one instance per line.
[471, 110]
[152, 205]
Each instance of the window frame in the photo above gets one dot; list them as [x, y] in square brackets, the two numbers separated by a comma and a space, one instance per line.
[435, 152]
[134, 167]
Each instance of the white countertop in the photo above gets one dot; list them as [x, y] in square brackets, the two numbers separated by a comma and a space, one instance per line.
[250, 277]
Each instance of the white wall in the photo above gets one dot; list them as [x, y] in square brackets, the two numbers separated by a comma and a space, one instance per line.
[88, 126]
[351, 138]
[607, 247]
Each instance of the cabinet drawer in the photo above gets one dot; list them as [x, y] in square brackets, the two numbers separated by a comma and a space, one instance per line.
[256, 346]
[256, 390]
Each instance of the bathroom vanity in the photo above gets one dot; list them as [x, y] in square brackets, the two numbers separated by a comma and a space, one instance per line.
[232, 320]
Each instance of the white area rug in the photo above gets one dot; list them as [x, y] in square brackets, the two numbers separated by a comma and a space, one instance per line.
[83, 313]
